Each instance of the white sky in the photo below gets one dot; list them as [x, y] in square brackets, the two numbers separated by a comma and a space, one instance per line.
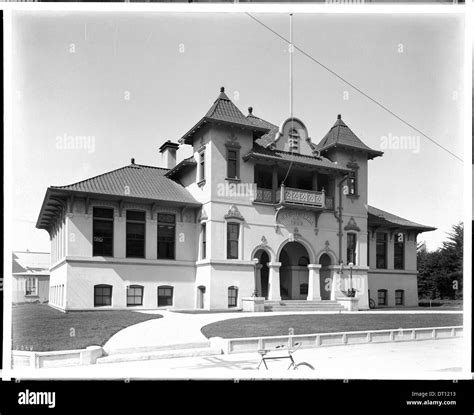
[410, 63]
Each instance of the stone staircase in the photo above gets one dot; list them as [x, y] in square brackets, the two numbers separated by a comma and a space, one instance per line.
[303, 305]
[159, 352]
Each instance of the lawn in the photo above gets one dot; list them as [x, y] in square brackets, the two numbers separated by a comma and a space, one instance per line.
[324, 323]
[40, 328]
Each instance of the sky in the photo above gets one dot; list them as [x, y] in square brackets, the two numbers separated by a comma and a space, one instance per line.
[122, 84]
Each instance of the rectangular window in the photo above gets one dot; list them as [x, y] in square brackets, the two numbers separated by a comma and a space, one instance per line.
[102, 295]
[135, 234]
[31, 286]
[351, 248]
[399, 251]
[381, 254]
[232, 168]
[304, 289]
[134, 295]
[233, 241]
[103, 232]
[399, 300]
[204, 236]
[382, 297]
[165, 296]
[202, 167]
[232, 296]
[166, 235]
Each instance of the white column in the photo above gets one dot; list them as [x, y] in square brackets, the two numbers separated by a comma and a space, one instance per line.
[258, 279]
[314, 286]
[274, 281]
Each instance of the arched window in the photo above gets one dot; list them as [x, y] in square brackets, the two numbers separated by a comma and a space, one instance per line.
[165, 296]
[102, 295]
[233, 293]
[399, 297]
[382, 297]
[134, 295]
[303, 261]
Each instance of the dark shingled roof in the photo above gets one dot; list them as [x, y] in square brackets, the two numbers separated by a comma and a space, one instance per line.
[340, 135]
[267, 138]
[378, 217]
[134, 181]
[223, 111]
[260, 152]
[145, 182]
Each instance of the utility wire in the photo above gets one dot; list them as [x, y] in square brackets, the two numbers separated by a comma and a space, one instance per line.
[356, 88]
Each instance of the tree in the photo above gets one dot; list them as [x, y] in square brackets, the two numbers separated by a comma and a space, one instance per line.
[440, 272]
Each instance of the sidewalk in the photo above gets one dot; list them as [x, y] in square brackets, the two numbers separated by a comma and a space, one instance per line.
[407, 360]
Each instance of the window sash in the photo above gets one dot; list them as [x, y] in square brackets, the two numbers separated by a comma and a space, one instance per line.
[382, 297]
[399, 297]
[233, 240]
[135, 235]
[165, 296]
[232, 297]
[102, 295]
[202, 170]
[31, 286]
[232, 167]
[351, 248]
[399, 255]
[204, 242]
[381, 251]
[134, 295]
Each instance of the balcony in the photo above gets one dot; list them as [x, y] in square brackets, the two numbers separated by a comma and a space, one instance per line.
[289, 196]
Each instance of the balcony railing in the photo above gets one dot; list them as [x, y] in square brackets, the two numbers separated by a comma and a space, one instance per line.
[297, 197]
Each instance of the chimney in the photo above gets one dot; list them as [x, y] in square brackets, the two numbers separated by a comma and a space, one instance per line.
[168, 151]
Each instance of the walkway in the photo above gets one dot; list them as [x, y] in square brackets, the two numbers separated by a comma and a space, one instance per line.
[177, 328]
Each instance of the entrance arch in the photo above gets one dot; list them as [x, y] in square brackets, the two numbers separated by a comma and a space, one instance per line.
[262, 272]
[294, 258]
[325, 276]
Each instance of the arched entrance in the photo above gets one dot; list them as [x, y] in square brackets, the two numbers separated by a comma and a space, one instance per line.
[262, 272]
[294, 271]
[325, 278]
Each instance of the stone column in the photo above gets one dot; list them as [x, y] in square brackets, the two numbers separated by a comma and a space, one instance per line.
[314, 287]
[274, 281]
[258, 279]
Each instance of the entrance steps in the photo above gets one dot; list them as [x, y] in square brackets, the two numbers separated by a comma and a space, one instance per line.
[303, 305]
[159, 352]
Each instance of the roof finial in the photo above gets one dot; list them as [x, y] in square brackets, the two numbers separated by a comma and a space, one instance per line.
[250, 110]
[338, 116]
[222, 89]
[133, 161]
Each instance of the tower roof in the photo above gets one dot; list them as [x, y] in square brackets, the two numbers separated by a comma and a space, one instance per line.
[223, 111]
[340, 135]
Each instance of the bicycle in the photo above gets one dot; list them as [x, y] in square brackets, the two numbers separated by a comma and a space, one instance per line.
[293, 364]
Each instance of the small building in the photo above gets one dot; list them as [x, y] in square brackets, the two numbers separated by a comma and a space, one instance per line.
[30, 281]
[257, 210]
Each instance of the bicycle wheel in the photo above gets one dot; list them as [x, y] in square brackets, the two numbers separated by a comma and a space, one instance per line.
[303, 366]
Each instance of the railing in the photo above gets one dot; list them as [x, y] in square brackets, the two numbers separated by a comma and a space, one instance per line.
[294, 196]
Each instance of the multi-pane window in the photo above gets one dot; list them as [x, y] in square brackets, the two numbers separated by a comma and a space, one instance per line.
[134, 295]
[232, 296]
[31, 286]
[165, 296]
[102, 295]
[381, 251]
[399, 297]
[204, 241]
[102, 232]
[294, 141]
[399, 251]
[351, 248]
[233, 240]
[382, 297]
[166, 236]
[135, 234]
[202, 167]
[232, 167]
[352, 183]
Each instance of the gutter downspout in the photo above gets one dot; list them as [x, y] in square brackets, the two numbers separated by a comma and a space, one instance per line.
[339, 216]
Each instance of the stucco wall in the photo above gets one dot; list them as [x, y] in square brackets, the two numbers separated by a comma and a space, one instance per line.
[391, 281]
[19, 289]
[84, 274]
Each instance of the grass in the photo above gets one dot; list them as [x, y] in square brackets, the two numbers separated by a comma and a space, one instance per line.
[41, 328]
[321, 323]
